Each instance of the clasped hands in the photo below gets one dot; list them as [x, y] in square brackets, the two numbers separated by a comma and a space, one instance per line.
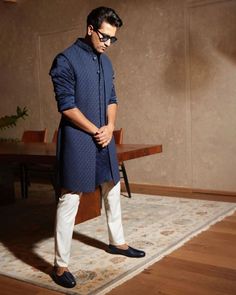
[103, 135]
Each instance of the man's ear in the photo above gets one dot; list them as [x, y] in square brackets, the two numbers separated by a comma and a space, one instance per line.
[89, 30]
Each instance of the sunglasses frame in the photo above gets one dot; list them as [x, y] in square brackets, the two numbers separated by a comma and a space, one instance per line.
[105, 37]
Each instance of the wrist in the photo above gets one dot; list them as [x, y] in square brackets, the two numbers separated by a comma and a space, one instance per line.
[95, 131]
[111, 126]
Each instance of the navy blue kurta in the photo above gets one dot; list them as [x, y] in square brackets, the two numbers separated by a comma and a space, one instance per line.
[103, 171]
[84, 80]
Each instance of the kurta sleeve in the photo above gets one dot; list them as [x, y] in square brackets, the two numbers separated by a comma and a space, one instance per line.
[63, 80]
[113, 98]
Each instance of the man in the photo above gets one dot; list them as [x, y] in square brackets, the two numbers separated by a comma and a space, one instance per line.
[82, 76]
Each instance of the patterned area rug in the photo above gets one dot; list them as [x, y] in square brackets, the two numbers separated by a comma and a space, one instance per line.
[155, 224]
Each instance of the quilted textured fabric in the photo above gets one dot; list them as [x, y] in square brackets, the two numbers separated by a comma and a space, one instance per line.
[76, 76]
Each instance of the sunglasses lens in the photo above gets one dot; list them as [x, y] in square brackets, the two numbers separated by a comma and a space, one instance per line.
[105, 38]
[113, 39]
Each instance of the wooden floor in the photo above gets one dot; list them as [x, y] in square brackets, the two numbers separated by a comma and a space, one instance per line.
[206, 265]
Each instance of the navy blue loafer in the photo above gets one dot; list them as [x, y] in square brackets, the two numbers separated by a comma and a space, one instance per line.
[130, 252]
[65, 280]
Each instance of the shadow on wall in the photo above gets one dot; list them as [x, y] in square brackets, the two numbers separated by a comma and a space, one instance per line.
[223, 39]
[181, 65]
[227, 44]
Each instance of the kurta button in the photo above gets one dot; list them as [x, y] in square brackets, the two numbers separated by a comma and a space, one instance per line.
[98, 72]
[94, 58]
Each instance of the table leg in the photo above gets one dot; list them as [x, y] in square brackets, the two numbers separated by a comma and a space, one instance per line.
[90, 206]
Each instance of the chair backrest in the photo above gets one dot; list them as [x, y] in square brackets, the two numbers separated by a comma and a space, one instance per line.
[118, 136]
[34, 136]
[54, 138]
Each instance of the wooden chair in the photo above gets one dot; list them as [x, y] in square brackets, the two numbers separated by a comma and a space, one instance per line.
[34, 136]
[118, 136]
[29, 136]
[54, 138]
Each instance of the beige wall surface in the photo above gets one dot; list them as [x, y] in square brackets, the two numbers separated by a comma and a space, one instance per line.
[175, 78]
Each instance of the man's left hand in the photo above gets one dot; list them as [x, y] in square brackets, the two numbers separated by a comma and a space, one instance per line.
[104, 135]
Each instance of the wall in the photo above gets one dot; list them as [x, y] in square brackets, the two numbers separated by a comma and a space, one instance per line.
[175, 77]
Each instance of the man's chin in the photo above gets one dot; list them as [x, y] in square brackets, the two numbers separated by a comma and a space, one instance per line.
[101, 50]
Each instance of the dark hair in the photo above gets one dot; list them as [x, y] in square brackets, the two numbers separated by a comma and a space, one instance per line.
[98, 15]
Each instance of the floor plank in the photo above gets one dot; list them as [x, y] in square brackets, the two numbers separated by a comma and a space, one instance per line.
[11, 286]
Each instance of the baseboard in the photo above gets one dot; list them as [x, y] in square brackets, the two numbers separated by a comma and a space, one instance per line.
[153, 189]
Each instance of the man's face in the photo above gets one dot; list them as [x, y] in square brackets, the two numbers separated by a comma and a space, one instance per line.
[96, 35]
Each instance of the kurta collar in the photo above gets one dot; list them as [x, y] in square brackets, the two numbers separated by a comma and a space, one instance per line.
[80, 42]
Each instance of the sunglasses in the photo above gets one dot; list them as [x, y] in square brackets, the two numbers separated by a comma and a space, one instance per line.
[105, 37]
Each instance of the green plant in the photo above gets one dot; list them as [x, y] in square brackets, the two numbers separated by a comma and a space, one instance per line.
[10, 121]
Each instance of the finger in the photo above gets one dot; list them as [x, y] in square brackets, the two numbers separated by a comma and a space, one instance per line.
[99, 138]
[106, 143]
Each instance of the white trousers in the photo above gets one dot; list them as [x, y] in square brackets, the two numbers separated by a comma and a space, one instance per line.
[65, 218]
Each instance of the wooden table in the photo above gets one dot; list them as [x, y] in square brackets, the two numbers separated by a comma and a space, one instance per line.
[45, 153]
